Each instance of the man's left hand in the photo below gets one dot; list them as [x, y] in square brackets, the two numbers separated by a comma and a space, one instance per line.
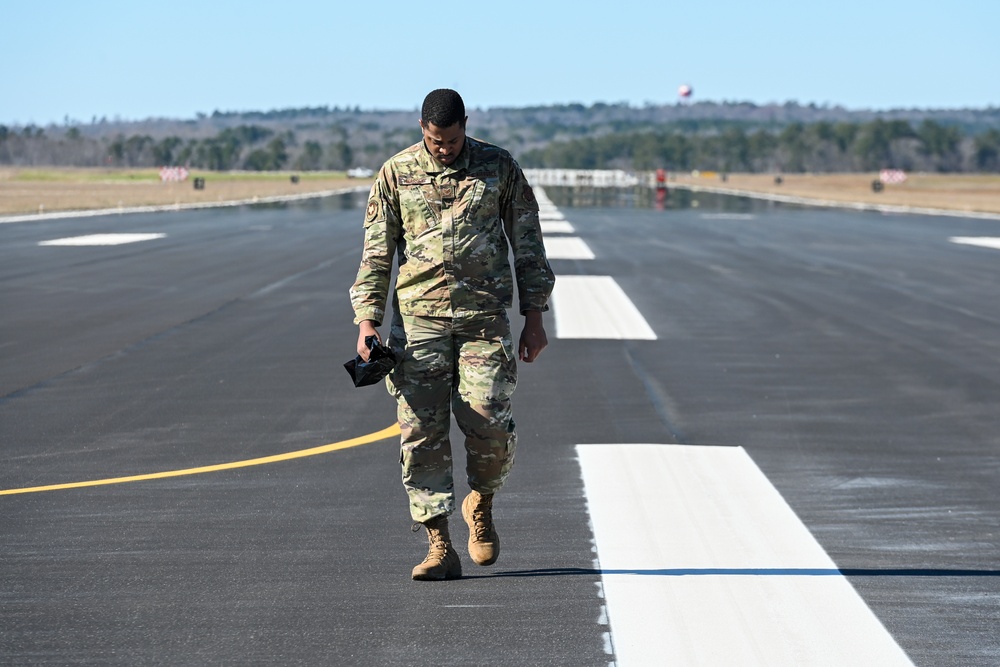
[533, 338]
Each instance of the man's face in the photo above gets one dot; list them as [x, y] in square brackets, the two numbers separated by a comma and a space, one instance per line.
[444, 143]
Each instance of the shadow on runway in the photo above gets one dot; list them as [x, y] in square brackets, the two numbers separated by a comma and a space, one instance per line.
[745, 571]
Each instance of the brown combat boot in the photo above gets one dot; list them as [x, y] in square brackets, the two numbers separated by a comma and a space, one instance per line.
[484, 543]
[442, 560]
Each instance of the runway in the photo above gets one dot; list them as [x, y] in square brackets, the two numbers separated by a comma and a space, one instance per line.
[853, 357]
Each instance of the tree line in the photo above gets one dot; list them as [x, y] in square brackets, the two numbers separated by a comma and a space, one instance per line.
[797, 147]
[246, 147]
[731, 146]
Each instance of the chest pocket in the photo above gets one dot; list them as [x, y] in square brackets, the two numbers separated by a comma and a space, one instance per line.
[484, 202]
[419, 205]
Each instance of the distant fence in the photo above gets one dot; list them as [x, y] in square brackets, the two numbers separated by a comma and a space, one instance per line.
[595, 178]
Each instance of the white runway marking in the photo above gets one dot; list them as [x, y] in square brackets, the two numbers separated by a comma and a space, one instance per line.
[557, 227]
[596, 307]
[704, 563]
[572, 247]
[983, 241]
[102, 239]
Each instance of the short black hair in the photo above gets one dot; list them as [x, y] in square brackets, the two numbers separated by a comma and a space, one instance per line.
[443, 107]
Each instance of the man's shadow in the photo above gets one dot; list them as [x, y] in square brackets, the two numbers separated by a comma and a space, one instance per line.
[742, 572]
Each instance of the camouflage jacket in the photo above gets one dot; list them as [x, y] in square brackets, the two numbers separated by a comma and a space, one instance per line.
[450, 228]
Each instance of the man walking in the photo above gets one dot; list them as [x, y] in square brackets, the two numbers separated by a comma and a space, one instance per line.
[450, 208]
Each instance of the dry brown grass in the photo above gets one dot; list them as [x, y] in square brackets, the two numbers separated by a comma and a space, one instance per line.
[963, 192]
[51, 189]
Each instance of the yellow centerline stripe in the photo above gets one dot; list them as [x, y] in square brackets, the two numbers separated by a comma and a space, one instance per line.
[313, 451]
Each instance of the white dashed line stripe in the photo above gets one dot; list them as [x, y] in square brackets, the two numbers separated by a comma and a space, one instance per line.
[557, 227]
[704, 563]
[571, 247]
[982, 241]
[596, 307]
[102, 239]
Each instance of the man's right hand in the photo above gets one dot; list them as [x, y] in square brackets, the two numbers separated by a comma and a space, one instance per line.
[366, 328]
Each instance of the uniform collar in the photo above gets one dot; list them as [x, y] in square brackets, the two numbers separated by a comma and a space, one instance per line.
[432, 166]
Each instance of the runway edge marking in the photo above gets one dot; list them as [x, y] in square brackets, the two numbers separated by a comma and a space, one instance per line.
[704, 563]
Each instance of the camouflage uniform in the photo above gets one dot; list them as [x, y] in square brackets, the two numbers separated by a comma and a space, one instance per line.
[449, 227]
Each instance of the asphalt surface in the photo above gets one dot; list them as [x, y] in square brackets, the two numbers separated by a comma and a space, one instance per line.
[854, 355]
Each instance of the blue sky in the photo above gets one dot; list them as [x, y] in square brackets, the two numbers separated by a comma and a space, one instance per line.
[179, 57]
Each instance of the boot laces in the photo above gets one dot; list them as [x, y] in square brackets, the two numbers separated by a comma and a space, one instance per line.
[482, 521]
[437, 545]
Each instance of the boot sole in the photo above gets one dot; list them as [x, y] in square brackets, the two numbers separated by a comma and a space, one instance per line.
[446, 577]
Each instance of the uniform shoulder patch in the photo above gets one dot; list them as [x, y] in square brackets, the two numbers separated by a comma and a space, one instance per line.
[528, 193]
[373, 208]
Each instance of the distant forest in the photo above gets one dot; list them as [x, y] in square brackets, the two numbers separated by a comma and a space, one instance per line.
[736, 137]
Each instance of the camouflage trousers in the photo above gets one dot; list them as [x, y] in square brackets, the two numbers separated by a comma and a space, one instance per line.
[464, 366]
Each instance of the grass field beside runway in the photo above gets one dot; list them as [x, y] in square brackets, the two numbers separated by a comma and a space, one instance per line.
[45, 190]
[959, 192]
